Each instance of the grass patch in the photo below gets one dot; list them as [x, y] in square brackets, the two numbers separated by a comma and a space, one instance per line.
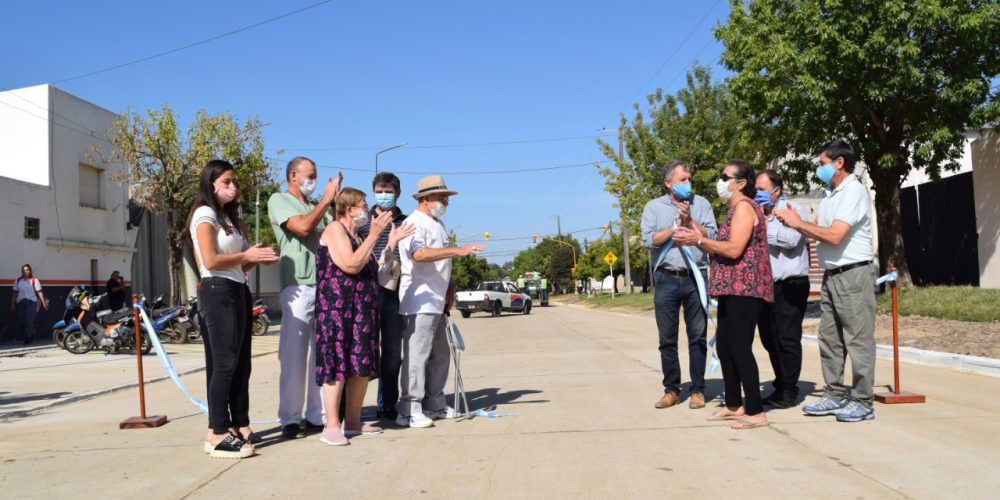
[637, 301]
[961, 303]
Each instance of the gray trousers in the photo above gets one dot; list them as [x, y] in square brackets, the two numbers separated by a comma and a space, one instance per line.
[426, 359]
[847, 329]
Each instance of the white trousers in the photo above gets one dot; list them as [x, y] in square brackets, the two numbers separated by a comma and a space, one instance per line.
[297, 355]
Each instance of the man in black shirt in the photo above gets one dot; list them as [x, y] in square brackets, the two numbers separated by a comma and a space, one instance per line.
[116, 291]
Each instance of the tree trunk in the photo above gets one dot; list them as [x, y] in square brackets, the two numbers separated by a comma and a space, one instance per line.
[175, 246]
[891, 251]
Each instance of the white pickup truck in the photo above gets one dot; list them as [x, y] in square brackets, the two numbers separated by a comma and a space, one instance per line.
[493, 297]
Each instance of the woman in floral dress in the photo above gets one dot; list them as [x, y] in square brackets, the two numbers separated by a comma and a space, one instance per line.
[347, 306]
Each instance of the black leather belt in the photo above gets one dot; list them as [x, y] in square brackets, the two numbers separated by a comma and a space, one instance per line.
[792, 279]
[847, 267]
[675, 272]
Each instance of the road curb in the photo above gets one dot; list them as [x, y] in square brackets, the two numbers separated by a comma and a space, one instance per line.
[960, 362]
[12, 415]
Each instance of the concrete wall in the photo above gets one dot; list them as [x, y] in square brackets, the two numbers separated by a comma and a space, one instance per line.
[986, 185]
[42, 144]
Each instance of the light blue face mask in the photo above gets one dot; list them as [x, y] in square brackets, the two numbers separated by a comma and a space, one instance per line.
[826, 172]
[763, 198]
[385, 201]
[682, 191]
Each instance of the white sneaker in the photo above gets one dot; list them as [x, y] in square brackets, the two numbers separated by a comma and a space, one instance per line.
[416, 420]
[444, 413]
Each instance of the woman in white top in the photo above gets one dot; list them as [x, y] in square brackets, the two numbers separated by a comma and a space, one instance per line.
[218, 237]
[26, 297]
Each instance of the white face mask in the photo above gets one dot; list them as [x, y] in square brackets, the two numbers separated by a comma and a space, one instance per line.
[308, 187]
[722, 188]
[361, 219]
[439, 210]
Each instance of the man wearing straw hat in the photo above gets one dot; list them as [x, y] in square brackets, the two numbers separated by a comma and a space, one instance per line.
[425, 295]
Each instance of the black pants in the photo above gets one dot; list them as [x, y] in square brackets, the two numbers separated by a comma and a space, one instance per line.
[734, 345]
[225, 308]
[780, 327]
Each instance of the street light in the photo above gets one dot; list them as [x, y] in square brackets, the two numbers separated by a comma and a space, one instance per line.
[384, 150]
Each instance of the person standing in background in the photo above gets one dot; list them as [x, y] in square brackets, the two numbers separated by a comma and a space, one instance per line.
[25, 299]
[780, 323]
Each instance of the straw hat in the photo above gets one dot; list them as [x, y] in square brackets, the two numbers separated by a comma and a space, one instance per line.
[430, 185]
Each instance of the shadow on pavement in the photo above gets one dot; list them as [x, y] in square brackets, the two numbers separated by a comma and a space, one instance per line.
[5, 400]
[482, 398]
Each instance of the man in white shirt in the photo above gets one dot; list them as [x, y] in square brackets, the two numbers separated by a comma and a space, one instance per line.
[425, 296]
[25, 299]
[780, 324]
[844, 249]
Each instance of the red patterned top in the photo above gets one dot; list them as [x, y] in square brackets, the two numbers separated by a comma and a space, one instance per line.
[749, 275]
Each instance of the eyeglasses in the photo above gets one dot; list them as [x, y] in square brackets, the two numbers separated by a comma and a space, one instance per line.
[724, 177]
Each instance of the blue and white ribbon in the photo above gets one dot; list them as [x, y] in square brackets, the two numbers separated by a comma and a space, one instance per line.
[893, 276]
[165, 361]
[699, 281]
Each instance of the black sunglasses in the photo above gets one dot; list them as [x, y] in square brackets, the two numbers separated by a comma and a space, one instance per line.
[724, 177]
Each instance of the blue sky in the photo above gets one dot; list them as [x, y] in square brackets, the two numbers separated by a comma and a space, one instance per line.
[339, 81]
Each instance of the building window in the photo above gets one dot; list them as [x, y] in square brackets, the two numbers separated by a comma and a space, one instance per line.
[90, 186]
[31, 228]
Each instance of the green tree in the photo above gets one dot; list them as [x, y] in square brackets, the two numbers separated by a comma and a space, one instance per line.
[698, 125]
[468, 271]
[164, 164]
[900, 79]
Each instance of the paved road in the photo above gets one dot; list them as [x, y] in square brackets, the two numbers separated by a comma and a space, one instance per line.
[582, 384]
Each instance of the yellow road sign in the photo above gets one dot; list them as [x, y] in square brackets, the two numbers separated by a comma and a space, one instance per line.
[610, 259]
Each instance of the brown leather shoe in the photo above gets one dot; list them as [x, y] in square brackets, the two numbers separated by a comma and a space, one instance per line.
[696, 400]
[669, 399]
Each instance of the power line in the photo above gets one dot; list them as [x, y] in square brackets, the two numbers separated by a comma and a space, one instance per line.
[194, 44]
[460, 145]
[462, 172]
[671, 56]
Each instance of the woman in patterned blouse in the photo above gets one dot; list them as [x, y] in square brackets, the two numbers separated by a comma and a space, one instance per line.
[740, 280]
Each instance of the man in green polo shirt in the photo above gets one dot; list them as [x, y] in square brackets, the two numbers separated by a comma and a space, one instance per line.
[297, 225]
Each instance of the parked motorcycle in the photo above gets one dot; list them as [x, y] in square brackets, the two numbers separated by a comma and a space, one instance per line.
[194, 319]
[170, 323]
[260, 320]
[102, 328]
[67, 323]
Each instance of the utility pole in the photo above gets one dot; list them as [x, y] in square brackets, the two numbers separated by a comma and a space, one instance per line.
[628, 264]
[256, 269]
[558, 227]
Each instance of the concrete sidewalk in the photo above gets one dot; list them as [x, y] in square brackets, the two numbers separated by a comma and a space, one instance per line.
[42, 378]
[582, 384]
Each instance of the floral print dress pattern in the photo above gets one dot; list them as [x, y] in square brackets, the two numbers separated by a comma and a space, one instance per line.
[347, 309]
[749, 275]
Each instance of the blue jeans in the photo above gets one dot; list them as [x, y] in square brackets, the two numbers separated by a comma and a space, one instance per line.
[671, 293]
[391, 357]
[26, 310]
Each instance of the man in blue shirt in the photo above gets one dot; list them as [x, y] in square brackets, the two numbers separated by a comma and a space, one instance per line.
[780, 323]
[675, 284]
[844, 250]
[385, 185]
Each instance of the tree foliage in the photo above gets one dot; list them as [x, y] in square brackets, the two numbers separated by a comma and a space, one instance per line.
[900, 79]
[698, 125]
[164, 164]
[468, 271]
[553, 257]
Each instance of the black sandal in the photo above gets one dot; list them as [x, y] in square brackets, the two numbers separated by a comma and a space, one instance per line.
[252, 438]
[232, 447]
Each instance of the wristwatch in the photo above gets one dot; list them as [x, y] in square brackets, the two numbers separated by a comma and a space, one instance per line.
[698, 244]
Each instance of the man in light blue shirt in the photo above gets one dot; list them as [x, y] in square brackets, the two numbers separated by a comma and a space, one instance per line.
[844, 249]
[780, 323]
[674, 280]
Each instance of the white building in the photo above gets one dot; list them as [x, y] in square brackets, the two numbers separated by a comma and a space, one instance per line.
[60, 210]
